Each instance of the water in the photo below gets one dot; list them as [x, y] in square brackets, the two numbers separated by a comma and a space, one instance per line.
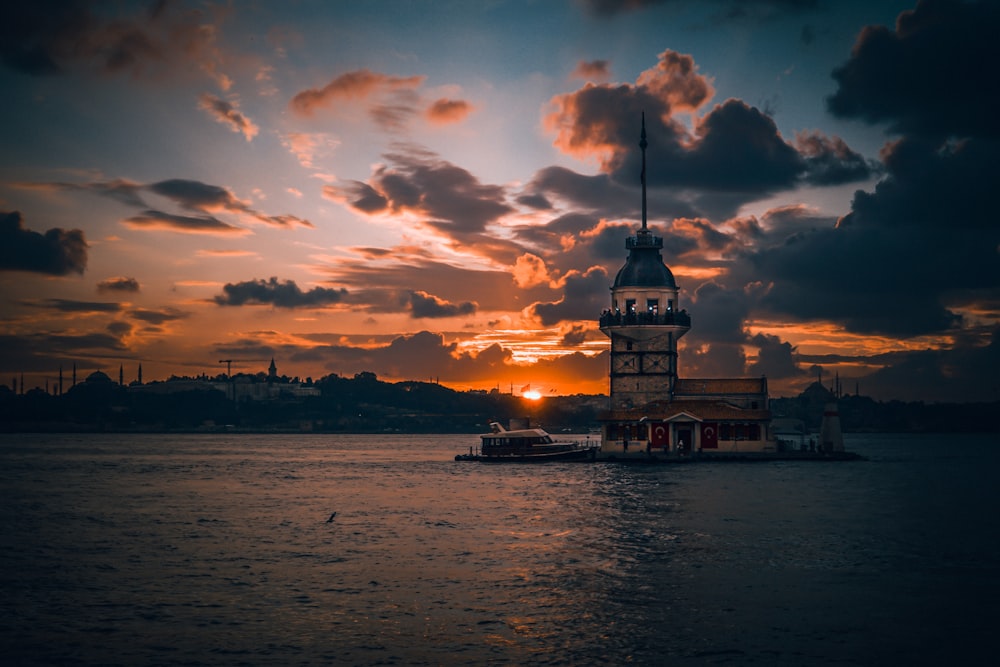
[215, 550]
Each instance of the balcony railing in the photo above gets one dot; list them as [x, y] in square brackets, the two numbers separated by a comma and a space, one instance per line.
[616, 318]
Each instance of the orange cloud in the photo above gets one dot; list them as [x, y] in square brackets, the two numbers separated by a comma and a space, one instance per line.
[444, 111]
[358, 84]
[183, 223]
[530, 271]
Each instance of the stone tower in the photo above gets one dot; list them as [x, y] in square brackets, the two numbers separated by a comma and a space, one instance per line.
[645, 320]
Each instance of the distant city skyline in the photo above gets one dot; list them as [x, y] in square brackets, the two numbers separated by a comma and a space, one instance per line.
[443, 190]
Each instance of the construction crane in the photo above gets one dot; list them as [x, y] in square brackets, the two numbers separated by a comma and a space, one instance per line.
[229, 373]
[229, 364]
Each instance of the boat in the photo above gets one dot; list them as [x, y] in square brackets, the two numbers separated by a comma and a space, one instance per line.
[526, 445]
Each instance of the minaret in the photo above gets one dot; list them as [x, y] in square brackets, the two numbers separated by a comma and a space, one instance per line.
[272, 371]
[645, 320]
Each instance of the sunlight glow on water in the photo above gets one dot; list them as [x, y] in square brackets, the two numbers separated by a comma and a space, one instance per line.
[216, 550]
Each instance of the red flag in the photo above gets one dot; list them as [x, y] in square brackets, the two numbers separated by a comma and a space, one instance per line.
[709, 436]
[658, 438]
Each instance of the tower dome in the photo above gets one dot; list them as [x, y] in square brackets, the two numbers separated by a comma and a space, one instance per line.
[644, 266]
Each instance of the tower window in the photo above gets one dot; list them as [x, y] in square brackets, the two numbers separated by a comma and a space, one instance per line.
[629, 305]
[670, 305]
[652, 305]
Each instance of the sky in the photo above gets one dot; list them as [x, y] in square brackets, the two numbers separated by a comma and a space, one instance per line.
[441, 191]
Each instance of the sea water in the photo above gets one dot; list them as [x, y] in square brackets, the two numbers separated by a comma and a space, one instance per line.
[220, 550]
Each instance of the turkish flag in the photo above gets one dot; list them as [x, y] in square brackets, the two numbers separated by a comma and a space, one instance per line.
[709, 436]
[659, 436]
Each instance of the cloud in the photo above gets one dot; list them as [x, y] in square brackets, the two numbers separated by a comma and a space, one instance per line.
[926, 77]
[159, 220]
[309, 147]
[280, 295]
[207, 198]
[158, 317]
[729, 10]
[584, 297]
[190, 195]
[734, 152]
[829, 160]
[447, 198]
[57, 252]
[118, 284]
[423, 304]
[227, 113]
[74, 306]
[921, 249]
[425, 354]
[529, 270]
[52, 37]
[356, 85]
[592, 70]
[776, 359]
[445, 111]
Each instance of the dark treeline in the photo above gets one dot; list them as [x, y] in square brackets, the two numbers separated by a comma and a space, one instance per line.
[364, 404]
[860, 414]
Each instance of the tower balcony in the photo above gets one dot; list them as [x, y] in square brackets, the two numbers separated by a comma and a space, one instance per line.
[644, 325]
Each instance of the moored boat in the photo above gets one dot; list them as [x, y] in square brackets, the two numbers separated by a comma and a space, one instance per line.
[526, 445]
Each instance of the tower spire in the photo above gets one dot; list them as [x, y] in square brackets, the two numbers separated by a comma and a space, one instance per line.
[642, 145]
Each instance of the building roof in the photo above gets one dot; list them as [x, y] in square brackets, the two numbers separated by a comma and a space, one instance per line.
[697, 410]
[719, 386]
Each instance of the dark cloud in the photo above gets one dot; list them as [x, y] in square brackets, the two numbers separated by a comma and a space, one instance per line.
[574, 336]
[921, 248]
[445, 197]
[584, 296]
[158, 317]
[931, 76]
[385, 286]
[188, 194]
[535, 201]
[595, 70]
[829, 160]
[42, 352]
[197, 196]
[51, 37]
[227, 113]
[729, 10]
[56, 252]
[718, 314]
[118, 284]
[735, 153]
[278, 294]
[423, 304]
[72, 306]
[776, 359]
[963, 373]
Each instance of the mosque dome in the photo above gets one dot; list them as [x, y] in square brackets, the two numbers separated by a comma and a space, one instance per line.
[98, 377]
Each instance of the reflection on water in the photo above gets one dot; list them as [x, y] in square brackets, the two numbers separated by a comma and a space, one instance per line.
[217, 550]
